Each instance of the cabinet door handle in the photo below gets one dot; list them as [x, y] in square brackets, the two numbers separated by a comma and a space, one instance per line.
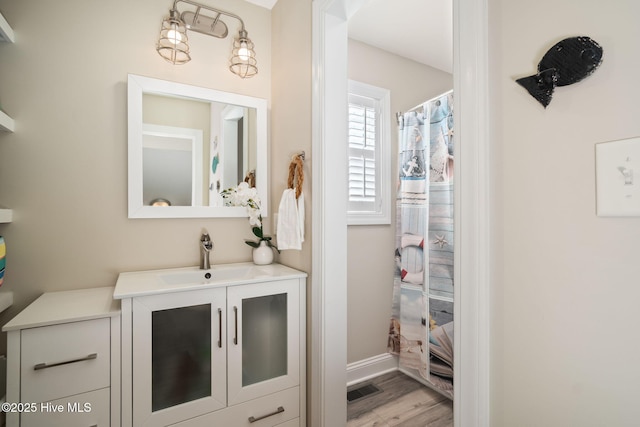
[82, 359]
[219, 328]
[235, 315]
[276, 412]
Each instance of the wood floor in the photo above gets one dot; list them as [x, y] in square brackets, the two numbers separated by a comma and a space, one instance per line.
[402, 402]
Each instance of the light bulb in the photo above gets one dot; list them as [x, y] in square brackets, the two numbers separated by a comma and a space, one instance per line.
[243, 52]
[174, 36]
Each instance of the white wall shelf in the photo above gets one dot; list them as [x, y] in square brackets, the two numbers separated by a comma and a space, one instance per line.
[6, 215]
[7, 124]
[6, 32]
[6, 35]
[6, 300]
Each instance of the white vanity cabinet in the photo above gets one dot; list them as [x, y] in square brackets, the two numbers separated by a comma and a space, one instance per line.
[63, 359]
[223, 351]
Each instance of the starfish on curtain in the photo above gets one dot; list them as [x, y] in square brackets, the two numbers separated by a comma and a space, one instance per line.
[440, 240]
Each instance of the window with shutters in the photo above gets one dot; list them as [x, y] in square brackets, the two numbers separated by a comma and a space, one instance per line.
[369, 161]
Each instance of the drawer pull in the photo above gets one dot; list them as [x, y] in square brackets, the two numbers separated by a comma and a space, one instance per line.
[276, 412]
[40, 366]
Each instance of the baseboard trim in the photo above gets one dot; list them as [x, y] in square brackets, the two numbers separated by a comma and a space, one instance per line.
[365, 369]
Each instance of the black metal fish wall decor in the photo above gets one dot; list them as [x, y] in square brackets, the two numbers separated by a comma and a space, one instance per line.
[567, 62]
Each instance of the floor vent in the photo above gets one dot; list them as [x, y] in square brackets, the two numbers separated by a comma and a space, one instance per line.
[361, 392]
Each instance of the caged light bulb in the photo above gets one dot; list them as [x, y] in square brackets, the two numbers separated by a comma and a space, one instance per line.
[243, 52]
[174, 35]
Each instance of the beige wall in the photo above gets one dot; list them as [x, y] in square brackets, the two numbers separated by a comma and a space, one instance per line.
[64, 170]
[565, 350]
[291, 125]
[291, 111]
[370, 252]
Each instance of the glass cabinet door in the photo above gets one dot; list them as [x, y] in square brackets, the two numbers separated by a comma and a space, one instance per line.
[179, 364]
[263, 336]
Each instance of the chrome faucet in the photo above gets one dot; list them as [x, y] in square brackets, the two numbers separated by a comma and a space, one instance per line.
[206, 245]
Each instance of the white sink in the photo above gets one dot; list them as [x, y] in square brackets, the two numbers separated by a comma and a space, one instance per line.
[138, 283]
[206, 276]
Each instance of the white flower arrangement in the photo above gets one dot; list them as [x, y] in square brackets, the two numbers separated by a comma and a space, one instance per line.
[246, 196]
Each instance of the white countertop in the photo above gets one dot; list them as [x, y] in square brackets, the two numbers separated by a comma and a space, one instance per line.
[140, 283]
[66, 306]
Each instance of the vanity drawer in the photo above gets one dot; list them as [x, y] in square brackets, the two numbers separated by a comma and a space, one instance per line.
[264, 410]
[291, 423]
[82, 410]
[64, 360]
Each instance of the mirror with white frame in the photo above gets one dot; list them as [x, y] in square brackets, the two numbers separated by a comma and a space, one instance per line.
[189, 143]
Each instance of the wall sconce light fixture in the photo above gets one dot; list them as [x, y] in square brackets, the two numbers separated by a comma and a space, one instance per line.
[173, 42]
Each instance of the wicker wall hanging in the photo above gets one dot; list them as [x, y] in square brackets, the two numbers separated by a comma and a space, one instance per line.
[296, 173]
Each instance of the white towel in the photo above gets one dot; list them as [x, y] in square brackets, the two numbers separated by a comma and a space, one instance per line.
[290, 230]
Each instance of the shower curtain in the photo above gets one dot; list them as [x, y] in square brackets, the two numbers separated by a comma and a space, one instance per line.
[421, 329]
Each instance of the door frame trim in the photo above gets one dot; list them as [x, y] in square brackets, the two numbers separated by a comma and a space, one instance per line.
[472, 213]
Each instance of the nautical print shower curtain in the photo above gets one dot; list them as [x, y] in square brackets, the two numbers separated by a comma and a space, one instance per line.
[421, 329]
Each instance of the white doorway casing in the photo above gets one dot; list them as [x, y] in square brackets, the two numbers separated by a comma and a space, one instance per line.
[329, 222]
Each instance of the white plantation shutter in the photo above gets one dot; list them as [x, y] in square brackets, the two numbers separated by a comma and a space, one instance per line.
[369, 162]
[362, 150]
